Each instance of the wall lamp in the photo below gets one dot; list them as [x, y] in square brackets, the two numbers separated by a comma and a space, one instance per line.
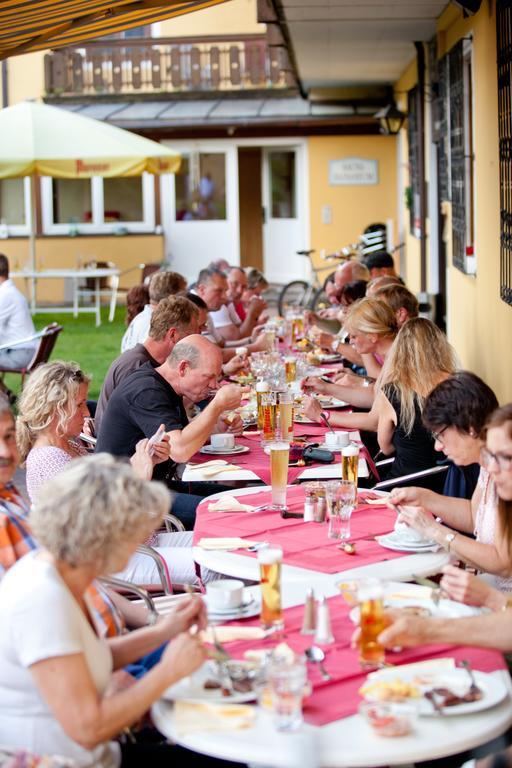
[391, 119]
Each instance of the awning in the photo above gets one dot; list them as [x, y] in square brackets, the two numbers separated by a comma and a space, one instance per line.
[36, 25]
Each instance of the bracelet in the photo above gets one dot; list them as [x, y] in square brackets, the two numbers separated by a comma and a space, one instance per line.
[508, 605]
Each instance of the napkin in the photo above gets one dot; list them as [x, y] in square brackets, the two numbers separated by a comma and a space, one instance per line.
[226, 543]
[229, 504]
[430, 666]
[192, 716]
[212, 471]
[227, 634]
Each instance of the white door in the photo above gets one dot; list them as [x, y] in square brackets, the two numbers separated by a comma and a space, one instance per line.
[284, 225]
[200, 207]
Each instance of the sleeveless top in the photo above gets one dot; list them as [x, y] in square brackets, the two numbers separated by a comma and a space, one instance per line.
[486, 519]
[415, 451]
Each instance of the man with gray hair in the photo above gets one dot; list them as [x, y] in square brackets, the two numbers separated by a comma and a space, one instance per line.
[226, 319]
[161, 285]
[150, 397]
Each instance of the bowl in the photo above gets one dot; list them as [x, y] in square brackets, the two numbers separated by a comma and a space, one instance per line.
[389, 720]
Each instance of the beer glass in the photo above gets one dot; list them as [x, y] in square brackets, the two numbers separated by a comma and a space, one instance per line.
[270, 559]
[350, 463]
[341, 500]
[290, 369]
[261, 388]
[268, 416]
[297, 328]
[279, 456]
[285, 408]
[371, 622]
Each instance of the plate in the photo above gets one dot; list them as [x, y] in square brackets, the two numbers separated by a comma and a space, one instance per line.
[397, 544]
[333, 358]
[331, 402]
[300, 419]
[249, 608]
[192, 689]
[457, 680]
[209, 450]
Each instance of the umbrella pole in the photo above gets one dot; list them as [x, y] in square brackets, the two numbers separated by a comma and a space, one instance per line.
[32, 242]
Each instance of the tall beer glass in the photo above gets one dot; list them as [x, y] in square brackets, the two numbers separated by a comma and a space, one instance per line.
[261, 388]
[350, 463]
[279, 456]
[290, 369]
[268, 416]
[371, 622]
[270, 559]
[285, 408]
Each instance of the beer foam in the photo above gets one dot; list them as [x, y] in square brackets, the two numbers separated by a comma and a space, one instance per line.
[270, 555]
[350, 450]
[279, 446]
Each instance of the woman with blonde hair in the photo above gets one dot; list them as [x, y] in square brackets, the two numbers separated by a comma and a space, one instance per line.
[52, 408]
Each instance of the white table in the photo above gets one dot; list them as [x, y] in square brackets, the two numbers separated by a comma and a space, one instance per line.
[241, 566]
[75, 275]
[318, 472]
[346, 743]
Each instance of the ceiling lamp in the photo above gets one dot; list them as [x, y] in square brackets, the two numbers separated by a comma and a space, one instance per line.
[391, 119]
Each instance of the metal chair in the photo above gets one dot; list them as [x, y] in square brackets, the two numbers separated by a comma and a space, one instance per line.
[146, 270]
[47, 340]
[414, 478]
[96, 288]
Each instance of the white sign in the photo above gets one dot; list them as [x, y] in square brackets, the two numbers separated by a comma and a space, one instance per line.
[354, 171]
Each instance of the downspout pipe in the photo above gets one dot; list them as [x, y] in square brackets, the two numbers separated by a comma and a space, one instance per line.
[420, 54]
[5, 85]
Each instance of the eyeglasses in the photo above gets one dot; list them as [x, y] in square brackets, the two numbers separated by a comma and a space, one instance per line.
[503, 460]
[436, 436]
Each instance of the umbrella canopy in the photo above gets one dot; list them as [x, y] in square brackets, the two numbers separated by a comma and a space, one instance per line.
[35, 25]
[39, 139]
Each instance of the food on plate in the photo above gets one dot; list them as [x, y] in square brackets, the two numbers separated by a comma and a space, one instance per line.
[388, 720]
[413, 610]
[390, 690]
[211, 685]
[312, 358]
[447, 698]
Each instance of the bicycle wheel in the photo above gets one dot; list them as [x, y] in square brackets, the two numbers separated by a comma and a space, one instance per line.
[320, 300]
[294, 294]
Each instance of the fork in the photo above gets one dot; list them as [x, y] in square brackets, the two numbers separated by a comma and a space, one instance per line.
[259, 545]
[474, 687]
[430, 695]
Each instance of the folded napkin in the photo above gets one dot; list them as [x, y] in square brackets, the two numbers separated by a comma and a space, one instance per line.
[226, 543]
[430, 666]
[212, 471]
[229, 504]
[227, 634]
[192, 716]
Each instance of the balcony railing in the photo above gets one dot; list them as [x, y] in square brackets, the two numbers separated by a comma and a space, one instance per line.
[167, 65]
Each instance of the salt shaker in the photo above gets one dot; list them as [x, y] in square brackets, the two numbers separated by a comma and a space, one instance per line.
[309, 621]
[323, 634]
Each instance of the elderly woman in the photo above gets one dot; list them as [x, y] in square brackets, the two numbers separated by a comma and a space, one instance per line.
[456, 412]
[54, 669]
[52, 408]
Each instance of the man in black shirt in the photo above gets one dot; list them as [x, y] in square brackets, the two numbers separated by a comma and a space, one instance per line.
[149, 397]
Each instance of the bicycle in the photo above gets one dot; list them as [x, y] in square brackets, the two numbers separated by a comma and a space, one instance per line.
[303, 295]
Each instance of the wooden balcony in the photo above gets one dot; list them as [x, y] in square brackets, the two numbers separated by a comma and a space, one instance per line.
[167, 65]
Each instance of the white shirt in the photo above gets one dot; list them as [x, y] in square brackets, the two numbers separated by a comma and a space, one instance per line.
[40, 620]
[138, 330]
[15, 320]
[226, 315]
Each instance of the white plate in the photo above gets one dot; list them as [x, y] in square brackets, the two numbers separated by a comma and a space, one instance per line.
[300, 419]
[333, 358]
[397, 544]
[249, 608]
[331, 402]
[192, 689]
[210, 451]
[457, 680]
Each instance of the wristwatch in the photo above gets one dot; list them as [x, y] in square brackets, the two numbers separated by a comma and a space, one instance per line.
[449, 538]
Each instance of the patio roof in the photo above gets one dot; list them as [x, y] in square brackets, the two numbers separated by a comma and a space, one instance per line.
[35, 25]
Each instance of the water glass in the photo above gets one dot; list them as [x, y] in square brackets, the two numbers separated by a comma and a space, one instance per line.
[341, 501]
[287, 684]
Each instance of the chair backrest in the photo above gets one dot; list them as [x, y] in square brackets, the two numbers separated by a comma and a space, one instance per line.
[45, 347]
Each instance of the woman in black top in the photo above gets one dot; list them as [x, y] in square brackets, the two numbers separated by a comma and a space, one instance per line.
[418, 361]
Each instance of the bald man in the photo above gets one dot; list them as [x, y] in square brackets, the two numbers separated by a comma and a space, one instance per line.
[149, 397]
[350, 271]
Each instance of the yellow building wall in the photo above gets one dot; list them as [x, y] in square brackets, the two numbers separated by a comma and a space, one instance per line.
[126, 252]
[236, 17]
[353, 207]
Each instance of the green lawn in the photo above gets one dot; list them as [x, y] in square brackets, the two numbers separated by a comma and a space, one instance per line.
[93, 348]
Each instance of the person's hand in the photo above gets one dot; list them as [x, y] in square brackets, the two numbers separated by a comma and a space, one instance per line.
[256, 306]
[234, 365]
[416, 497]
[313, 384]
[349, 379]
[310, 317]
[311, 408]
[324, 340]
[230, 422]
[229, 397]
[143, 461]
[418, 519]
[189, 611]
[405, 631]
[182, 656]
[464, 587]
[260, 343]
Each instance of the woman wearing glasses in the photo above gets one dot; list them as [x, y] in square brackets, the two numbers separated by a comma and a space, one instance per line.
[458, 412]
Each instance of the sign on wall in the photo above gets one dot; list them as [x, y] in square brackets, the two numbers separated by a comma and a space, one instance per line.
[353, 171]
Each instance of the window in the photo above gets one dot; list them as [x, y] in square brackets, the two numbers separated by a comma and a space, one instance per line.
[282, 185]
[504, 41]
[461, 155]
[201, 187]
[14, 206]
[83, 206]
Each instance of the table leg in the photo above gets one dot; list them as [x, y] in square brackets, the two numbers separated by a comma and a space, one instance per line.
[113, 298]
[33, 284]
[75, 296]
[97, 282]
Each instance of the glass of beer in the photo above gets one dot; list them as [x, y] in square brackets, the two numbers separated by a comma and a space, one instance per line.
[270, 559]
[279, 457]
[285, 408]
[350, 463]
[261, 388]
[290, 369]
[371, 622]
[268, 416]
[297, 328]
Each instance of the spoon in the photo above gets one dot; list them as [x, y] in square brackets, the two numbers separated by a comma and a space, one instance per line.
[326, 422]
[317, 656]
